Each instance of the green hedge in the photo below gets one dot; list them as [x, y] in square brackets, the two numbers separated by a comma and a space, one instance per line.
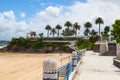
[83, 43]
[26, 43]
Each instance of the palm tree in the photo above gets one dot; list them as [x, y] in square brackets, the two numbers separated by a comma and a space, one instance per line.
[53, 31]
[68, 24]
[99, 21]
[41, 34]
[86, 32]
[106, 29]
[106, 32]
[58, 27]
[93, 33]
[48, 27]
[76, 26]
[87, 26]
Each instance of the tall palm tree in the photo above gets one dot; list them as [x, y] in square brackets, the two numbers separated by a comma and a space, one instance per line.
[99, 21]
[53, 31]
[87, 25]
[48, 27]
[76, 26]
[58, 27]
[68, 24]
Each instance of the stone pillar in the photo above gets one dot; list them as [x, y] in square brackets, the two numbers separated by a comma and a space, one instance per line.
[50, 69]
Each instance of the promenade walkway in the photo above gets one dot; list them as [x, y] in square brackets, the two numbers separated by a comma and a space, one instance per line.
[95, 67]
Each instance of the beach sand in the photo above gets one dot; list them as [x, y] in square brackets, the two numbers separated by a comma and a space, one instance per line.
[21, 66]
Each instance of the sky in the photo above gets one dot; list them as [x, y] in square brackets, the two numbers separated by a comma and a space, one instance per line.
[18, 17]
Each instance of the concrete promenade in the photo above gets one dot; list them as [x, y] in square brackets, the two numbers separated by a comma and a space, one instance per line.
[95, 67]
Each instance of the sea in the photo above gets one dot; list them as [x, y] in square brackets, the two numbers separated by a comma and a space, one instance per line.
[2, 46]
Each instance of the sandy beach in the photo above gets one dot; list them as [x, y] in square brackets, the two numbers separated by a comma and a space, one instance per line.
[19, 66]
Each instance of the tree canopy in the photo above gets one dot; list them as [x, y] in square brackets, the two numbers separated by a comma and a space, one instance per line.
[116, 30]
[99, 21]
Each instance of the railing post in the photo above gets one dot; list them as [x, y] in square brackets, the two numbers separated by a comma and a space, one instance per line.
[74, 60]
[79, 55]
[67, 72]
[50, 69]
[58, 74]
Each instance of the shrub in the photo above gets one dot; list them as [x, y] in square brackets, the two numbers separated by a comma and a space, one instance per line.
[26, 43]
[37, 44]
[83, 43]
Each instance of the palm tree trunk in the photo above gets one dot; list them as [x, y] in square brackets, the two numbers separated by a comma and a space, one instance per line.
[53, 34]
[68, 27]
[99, 29]
[87, 36]
[58, 32]
[48, 34]
[76, 32]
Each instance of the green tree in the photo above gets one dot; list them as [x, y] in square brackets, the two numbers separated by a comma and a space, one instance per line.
[85, 43]
[67, 32]
[116, 30]
[93, 32]
[53, 31]
[68, 24]
[87, 25]
[48, 28]
[40, 35]
[106, 29]
[86, 32]
[105, 33]
[58, 27]
[99, 21]
[37, 44]
[76, 27]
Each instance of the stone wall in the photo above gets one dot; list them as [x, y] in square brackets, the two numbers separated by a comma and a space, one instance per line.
[118, 50]
[103, 48]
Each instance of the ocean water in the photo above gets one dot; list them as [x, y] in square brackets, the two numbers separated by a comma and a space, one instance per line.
[2, 46]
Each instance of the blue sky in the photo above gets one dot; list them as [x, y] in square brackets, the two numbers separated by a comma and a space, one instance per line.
[18, 17]
[30, 7]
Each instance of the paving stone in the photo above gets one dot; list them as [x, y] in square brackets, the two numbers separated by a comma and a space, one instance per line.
[95, 67]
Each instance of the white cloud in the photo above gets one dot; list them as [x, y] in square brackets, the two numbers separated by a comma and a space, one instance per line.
[50, 11]
[79, 12]
[23, 15]
[9, 27]
[7, 15]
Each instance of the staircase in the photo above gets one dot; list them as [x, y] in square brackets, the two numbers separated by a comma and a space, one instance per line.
[71, 45]
[112, 49]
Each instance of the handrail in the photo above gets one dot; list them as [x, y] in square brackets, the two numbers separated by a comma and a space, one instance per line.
[68, 57]
[69, 67]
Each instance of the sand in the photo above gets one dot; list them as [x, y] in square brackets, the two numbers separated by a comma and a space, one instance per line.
[19, 66]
